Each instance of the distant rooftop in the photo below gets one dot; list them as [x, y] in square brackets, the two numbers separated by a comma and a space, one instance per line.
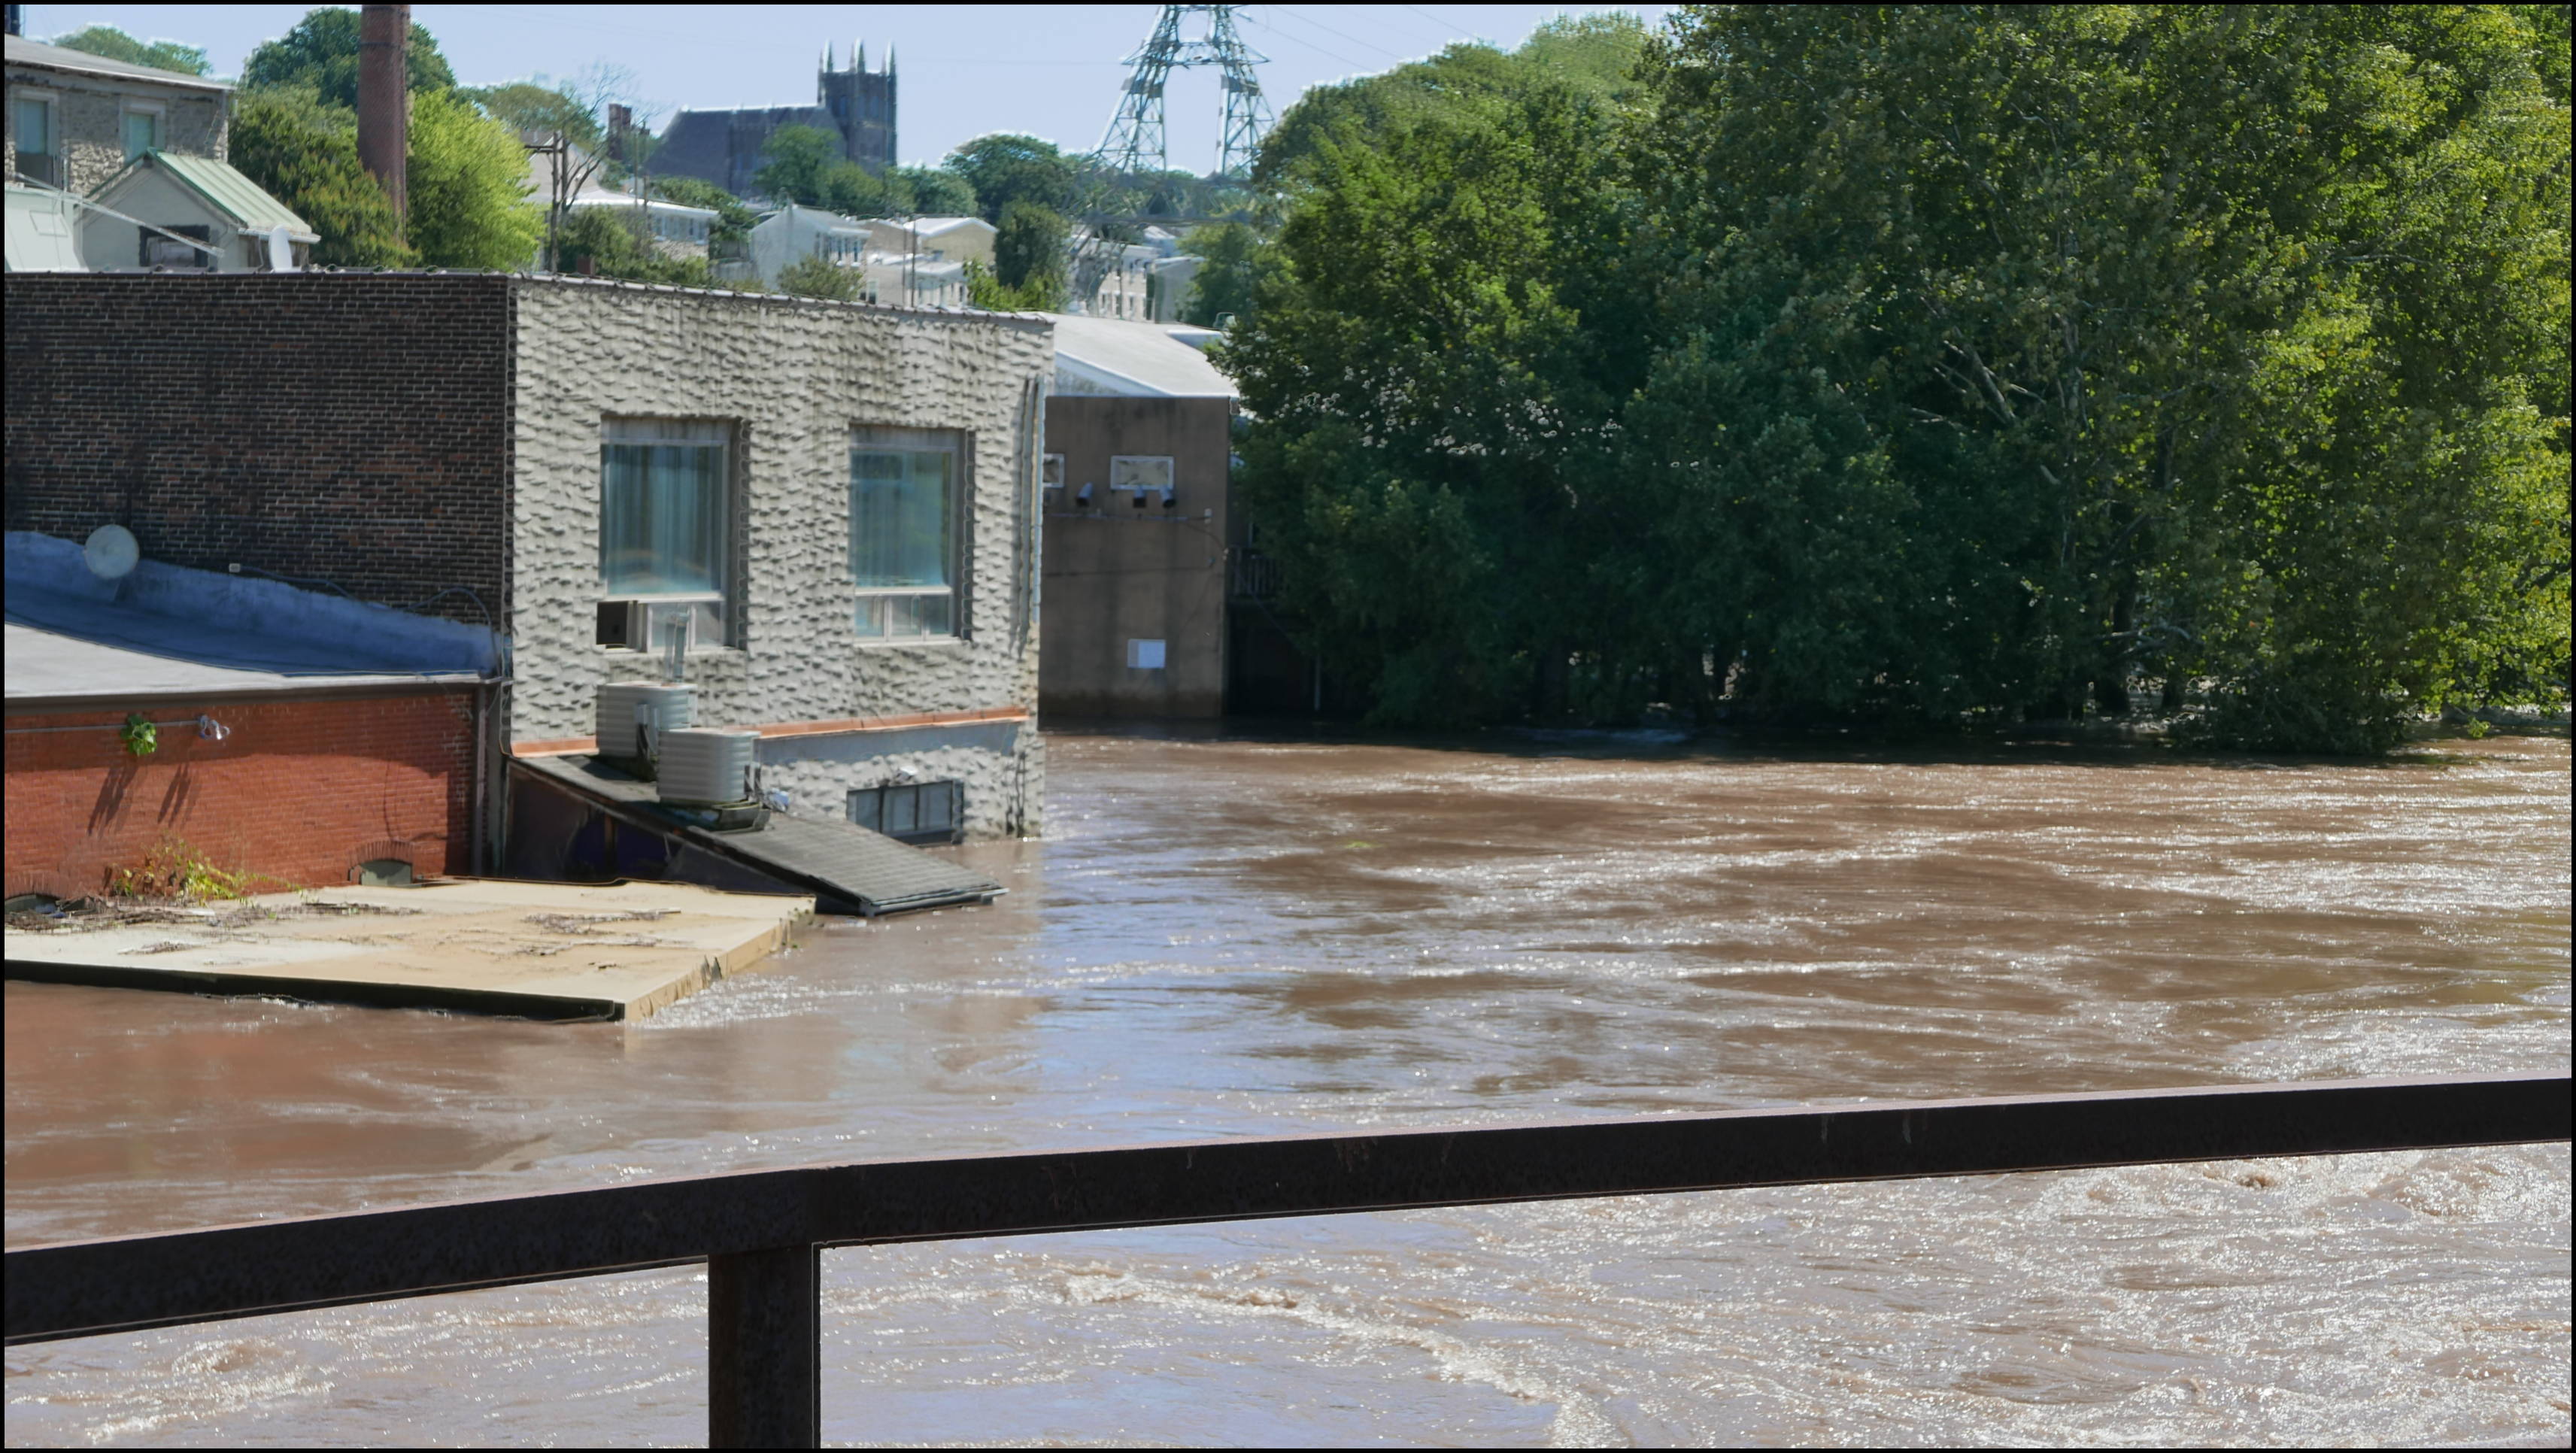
[222, 187]
[1115, 357]
[25, 52]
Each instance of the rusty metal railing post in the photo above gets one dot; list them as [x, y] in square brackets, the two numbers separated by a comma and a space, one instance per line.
[765, 1349]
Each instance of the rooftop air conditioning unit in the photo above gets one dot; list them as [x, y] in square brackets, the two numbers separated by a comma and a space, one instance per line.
[633, 715]
[708, 768]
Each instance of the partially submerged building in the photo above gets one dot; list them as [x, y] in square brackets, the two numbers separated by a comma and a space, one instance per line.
[1139, 439]
[293, 736]
[831, 509]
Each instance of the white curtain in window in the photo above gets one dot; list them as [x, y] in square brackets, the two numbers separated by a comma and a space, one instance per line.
[902, 509]
[663, 507]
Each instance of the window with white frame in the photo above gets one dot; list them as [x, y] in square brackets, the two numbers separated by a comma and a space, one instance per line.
[905, 551]
[665, 531]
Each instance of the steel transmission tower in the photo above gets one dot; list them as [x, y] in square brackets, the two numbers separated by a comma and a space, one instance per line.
[1134, 142]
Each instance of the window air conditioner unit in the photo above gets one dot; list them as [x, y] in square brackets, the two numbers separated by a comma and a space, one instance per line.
[646, 625]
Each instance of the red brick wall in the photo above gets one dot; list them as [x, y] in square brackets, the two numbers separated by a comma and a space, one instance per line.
[302, 791]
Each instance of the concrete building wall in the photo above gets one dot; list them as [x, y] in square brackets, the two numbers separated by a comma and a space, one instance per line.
[351, 428]
[300, 792]
[1116, 573]
[89, 119]
[792, 377]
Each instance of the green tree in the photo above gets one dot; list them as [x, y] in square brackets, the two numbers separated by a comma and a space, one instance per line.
[1005, 168]
[469, 203]
[116, 45]
[1937, 364]
[985, 290]
[937, 193]
[305, 154]
[795, 162]
[322, 52]
[734, 221]
[853, 191]
[1433, 351]
[530, 106]
[2117, 373]
[1028, 252]
[820, 277]
[613, 242]
[1233, 263]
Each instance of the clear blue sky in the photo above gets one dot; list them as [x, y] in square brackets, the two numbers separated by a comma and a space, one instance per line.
[1049, 70]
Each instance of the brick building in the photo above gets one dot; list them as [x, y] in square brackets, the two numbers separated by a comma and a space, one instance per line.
[299, 737]
[834, 505]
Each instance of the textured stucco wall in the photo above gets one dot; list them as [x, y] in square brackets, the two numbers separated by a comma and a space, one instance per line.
[1001, 763]
[792, 377]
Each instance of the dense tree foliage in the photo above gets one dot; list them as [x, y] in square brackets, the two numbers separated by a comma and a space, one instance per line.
[1029, 253]
[734, 220]
[821, 277]
[933, 192]
[615, 242]
[1232, 263]
[804, 165]
[1940, 364]
[116, 45]
[295, 133]
[305, 154]
[1004, 168]
[321, 52]
[469, 202]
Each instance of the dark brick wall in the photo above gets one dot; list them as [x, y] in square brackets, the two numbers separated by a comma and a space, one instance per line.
[354, 428]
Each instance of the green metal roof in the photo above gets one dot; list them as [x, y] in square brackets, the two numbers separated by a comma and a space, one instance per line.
[226, 190]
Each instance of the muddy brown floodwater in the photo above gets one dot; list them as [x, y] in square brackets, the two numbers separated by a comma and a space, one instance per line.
[1245, 936]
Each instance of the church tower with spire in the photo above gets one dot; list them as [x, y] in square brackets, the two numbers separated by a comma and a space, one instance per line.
[861, 104]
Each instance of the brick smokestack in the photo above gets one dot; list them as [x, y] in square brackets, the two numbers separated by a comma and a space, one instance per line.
[384, 98]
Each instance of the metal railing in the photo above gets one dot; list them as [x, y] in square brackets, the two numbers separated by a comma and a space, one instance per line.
[761, 1233]
[1252, 577]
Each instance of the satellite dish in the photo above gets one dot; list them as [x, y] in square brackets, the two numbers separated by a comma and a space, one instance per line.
[111, 552]
[281, 250]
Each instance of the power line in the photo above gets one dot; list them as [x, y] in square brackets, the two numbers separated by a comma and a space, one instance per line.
[1308, 44]
[1346, 35]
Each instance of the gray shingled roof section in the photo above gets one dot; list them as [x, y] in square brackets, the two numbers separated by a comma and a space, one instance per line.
[836, 860]
[25, 52]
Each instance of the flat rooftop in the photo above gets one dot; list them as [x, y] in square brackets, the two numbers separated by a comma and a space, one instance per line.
[484, 946]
